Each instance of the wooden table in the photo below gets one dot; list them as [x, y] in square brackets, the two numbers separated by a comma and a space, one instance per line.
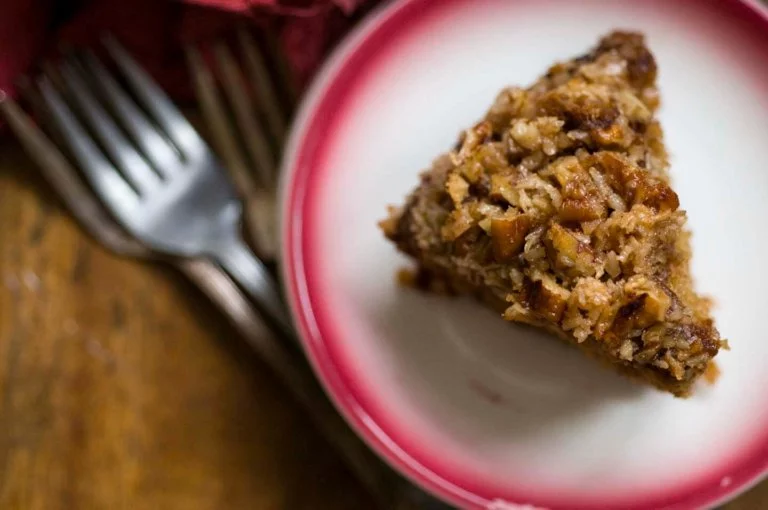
[121, 387]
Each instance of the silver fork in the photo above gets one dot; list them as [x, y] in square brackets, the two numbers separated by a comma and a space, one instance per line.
[243, 113]
[161, 181]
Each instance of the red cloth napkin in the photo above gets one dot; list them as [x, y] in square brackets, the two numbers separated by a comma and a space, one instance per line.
[155, 31]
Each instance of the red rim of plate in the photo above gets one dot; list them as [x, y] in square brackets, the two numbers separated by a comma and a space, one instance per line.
[316, 118]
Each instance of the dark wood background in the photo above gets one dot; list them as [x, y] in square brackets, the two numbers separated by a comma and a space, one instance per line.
[122, 387]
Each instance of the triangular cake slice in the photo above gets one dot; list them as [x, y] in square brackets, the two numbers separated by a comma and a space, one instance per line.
[556, 209]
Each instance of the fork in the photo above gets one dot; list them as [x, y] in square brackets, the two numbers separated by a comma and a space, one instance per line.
[153, 171]
[254, 114]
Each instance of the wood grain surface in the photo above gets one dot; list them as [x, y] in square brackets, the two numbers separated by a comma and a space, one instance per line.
[121, 387]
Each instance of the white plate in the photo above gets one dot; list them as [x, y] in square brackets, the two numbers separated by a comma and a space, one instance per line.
[476, 410]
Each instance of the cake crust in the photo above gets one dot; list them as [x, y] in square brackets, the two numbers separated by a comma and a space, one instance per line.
[556, 209]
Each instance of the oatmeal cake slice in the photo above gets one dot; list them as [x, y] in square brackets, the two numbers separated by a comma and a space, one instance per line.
[556, 209]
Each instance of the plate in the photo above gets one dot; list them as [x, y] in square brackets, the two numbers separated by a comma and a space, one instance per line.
[479, 412]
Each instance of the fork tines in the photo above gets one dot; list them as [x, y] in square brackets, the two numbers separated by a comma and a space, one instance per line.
[103, 124]
[127, 136]
[241, 126]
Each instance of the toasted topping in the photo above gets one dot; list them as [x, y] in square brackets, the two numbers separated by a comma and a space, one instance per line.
[626, 350]
[457, 223]
[503, 189]
[617, 135]
[641, 65]
[559, 201]
[569, 252]
[657, 195]
[631, 316]
[582, 199]
[474, 137]
[507, 105]
[485, 160]
[536, 134]
[547, 299]
[591, 299]
[712, 373]
[390, 223]
[634, 185]
[657, 300]
[457, 188]
[470, 241]
[646, 304]
[508, 236]
[581, 107]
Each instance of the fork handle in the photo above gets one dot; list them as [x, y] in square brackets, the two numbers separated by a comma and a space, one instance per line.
[252, 275]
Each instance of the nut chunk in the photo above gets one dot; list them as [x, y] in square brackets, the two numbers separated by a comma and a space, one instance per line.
[557, 208]
[508, 236]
